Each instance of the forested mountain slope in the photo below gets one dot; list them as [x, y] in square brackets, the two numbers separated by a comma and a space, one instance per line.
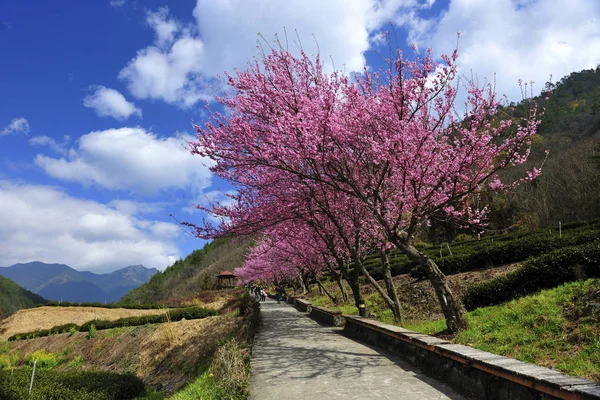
[569, 188]
[13, 297]
[193, 274]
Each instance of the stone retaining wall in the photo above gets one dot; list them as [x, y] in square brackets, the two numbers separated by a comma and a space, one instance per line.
[302, 305]
[327, 317]
[483, 374]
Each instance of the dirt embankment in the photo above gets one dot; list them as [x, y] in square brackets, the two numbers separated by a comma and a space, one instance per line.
[418, 298]
[46, 317]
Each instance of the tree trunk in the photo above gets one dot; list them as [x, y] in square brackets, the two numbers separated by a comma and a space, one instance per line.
[306, 282]
[388, 301]
[324, 289]
[343, 291]
[302, 285]
[451, 307]
[337, 277]
[351, 276]
[389, 285]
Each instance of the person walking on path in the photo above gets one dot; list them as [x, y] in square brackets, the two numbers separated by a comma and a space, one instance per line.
[278, 294]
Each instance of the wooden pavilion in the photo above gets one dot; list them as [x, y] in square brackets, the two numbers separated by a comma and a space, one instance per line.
[225, 279]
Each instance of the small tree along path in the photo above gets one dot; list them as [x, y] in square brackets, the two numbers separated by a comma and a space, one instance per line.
[296, 358]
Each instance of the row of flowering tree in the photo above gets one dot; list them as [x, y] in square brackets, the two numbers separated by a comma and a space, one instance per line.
[331, 168]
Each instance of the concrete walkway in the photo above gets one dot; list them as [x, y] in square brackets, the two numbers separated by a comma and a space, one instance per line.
[296, 358]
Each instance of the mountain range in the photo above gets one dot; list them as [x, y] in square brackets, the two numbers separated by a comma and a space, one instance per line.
[61, 282]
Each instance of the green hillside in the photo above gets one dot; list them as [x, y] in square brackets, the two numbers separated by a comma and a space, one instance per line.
[568, 147]
[193, 274]
[13, 298]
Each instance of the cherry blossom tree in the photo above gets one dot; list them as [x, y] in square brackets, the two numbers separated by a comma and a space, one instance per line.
[390, 144]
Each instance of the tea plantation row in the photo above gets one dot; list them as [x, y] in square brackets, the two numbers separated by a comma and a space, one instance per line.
[68, 385]
[172, 315]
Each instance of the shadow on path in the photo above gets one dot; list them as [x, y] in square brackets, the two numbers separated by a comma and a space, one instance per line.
[294, 357]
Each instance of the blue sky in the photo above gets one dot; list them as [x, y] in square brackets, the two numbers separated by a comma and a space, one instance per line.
[97, 99]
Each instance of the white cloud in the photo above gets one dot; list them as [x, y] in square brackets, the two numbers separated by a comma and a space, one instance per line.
[528, 40]
[130, 207]
[208, 198]
[110, 103]
[50, 143]
[46, 224]
[170, 69]
[117, 3]
[184, 60]
[17, 125]
[165, 28]
[130, 159]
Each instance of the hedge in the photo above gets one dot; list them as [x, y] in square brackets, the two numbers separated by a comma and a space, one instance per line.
[54, 303]
[173, 315]
[510, 251]
[68, 385]
[546, 271]
[472, 255]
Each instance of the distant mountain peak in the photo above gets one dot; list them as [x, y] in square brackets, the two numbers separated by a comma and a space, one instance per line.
[62, 281]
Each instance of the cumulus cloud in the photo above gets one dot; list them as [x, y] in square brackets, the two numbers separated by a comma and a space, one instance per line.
[508, 40]
[110, 103]
[50, 143]
[130, 159]
[184, 60]
[165, 28]
[169, 70]
[17, 125]
[42, 223]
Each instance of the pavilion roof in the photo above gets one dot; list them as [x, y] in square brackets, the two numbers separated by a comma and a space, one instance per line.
[226, 274]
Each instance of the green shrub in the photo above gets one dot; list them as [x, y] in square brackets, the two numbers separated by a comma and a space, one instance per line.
[108, 305]
[175, 315]
[477, 254]
[76, 361]
[68, 385]
[501, 252]
[44, 359]
[8, 360]
[547, 271]
[92, 332]
[61, 329]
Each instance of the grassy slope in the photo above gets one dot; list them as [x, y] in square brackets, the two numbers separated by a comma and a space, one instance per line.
[165, 356]
[557, 328]
[13, 297]
[192, 275]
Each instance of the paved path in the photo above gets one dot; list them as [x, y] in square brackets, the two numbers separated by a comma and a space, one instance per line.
[296, 358]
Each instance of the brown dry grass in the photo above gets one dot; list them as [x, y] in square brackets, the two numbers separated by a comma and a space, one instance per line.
[420, 300]
[164, 356]
[46, 317]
